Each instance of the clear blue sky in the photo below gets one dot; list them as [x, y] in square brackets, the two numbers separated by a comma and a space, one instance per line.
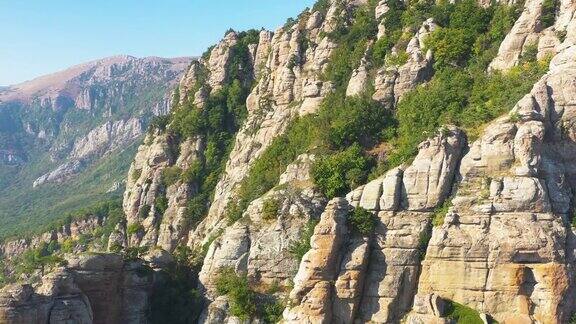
[43, 36]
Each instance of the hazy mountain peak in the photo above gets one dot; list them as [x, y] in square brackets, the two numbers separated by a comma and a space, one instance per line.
[71, 80]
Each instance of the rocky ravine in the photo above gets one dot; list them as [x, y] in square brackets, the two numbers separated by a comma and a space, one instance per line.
[504, 248]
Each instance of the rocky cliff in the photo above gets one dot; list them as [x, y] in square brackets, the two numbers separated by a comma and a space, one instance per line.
[370, 161]
[91, 289]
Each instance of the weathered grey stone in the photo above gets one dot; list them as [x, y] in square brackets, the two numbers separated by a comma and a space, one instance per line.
[427, 182]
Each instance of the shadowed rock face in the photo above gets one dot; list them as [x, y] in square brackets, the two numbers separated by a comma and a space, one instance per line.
[91, 289]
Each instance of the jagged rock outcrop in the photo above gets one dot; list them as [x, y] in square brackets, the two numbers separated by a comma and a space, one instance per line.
[505, 247]
[289, 86]
[99, 142]
[392, 82]
[358, 80]
[189, 81]
[259, 244]
[288, 65]
[71, 231]
[346, 276]
[91, 289]
[61, 173]
[530, 31]
[106, 138]
[145, 185]
[218, 61]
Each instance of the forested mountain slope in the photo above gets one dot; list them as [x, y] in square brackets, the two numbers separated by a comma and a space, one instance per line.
[62, 135]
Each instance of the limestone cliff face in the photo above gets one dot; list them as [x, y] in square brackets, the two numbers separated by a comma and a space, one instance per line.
[145, 185]
[288, 65]
[291, 84]
[505, 247]
[98, 143]
[530, 31]
[346, 276]
[484, 223]
[72, 231]
[259, 244]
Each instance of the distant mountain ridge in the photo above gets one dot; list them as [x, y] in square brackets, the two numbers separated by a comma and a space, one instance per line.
[72, 82]
[56, 127]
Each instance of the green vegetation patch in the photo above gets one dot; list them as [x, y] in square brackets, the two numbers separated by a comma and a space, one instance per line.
[241, 297]
[244, 302]
[170, 175]
[270, 209]
[336, 174]
[362, 221]
[340, 132]
[301, 246]
[440, 213]
[134, 228]
[462, 314]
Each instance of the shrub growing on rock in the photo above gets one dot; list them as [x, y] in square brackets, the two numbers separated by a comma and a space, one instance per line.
[241, 297]
[136, 174]
[270, 209]
[134, 228]
[300, 247]
[549, 8]
[362, 221]
[440, 213]
[338, 173]
[161, 204]
[144, 211]
[462, 314]
[170, 175]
